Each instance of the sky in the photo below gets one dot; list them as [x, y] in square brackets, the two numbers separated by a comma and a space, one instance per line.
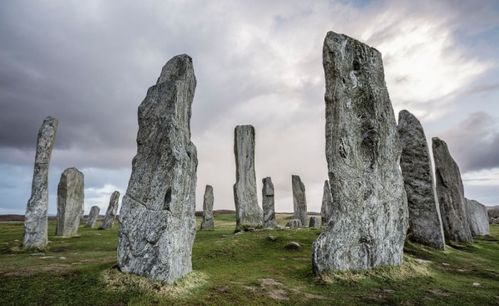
[90, 63]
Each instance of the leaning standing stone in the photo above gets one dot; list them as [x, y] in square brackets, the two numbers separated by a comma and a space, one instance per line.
[327, 203]
[299, 199]
[477, 218]
[92, 216]
[208, 222]
[248, 213]
[314, 222]
[35, 224]
[425, 224]
[369, 223]
[70, 198]
[269, 220]
[111, 211]
[157, 222]
[450, 192]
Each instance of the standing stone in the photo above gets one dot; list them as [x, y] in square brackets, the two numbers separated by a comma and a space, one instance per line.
[299, 200]
[294, 223]
[269, 220]
[477, 218]
[493, 213]
[36, 222]
[111, 211]
[157, 219]
[92, 216]
[314, 222]
[450, 192]
[248, 213]
[369, 223]
[425, 224]
[69, 202]
[208, 221]
[327, 203]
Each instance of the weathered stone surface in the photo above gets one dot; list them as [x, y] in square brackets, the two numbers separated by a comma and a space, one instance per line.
[370, 219]
[294, 223]
[327, 203]
[112, 210]
[70, 196]
[157, 222]
[208, 222]
[36, 222]
[493, 213]
[425, 223]
[477, 218]
[92, 216]
[314, 222]
[299, 199]
[248, 213]
[269, 220]
[292, 246]
[450, 192]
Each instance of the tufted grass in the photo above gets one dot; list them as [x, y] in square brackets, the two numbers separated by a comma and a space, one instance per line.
[244, 269]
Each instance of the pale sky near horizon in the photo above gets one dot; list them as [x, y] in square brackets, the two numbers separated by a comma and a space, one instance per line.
[90, 63]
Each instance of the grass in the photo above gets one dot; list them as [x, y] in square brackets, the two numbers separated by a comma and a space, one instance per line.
[245, 269]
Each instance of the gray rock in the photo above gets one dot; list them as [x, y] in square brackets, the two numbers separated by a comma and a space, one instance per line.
[70, 196]
[248, 213]
[36, 222]
[294, 223]
[425, 223]
[299, 199]
[327, 203]
[292, 246]
[314, 222]
[112, 210]
[370, 219]
[450, 192]
[208, 221]
[269, 220]
[92, 216]
[477, 218]
[493, 213]
[157, 222]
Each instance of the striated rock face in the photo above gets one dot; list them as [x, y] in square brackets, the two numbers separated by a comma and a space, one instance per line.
[92, 216]
[425, 224]
[299, 199]
[158, 226]
[70, 198]
[450, 194]
[327, 203]
[294, 223]
[269, 220]
[111, 211]
[208, 221]
[478, 218]
[314, 222]
[35, 224]
[370, 219]
[248, 213]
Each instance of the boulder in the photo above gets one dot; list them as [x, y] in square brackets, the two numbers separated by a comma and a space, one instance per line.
[369, 224]
[36, 221]
[269, 220]
[477, 218]
[208, 222]
[92, 216]
[70, 196]
[425, 223]
[111, 211]
[314, 222]
[157, 221]
[327, 203]
[299, 199]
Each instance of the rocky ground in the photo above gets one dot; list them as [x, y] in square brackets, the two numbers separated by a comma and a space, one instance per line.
[252, 268]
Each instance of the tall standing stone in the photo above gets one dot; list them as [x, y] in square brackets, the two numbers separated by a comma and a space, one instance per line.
[299, 200]
[269, 220]
[369, 223]
[36, 222]
[478, 218]
[248, 213]
[112, 210]
[92, 216]
[157, 219]
[70, 196]
[208, 221]
[425, 224]
[327, 203]
[450, 192]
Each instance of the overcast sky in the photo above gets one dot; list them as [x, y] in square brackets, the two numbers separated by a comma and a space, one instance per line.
[90, 63]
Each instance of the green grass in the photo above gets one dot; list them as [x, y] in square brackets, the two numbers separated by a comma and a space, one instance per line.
[245, 269]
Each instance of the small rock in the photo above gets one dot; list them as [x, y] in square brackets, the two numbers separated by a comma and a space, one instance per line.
[475, 284]
[62, 258]
[445, 264]
[250, 229]
[37, 254]
[271, 238]
[238, 233]
[293, 245]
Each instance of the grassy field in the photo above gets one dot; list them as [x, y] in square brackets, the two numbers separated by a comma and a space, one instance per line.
[245, 269]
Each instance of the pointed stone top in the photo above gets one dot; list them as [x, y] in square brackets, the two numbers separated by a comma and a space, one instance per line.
[177, 68]
[437, 142]
[406, 116]
[72, 169]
